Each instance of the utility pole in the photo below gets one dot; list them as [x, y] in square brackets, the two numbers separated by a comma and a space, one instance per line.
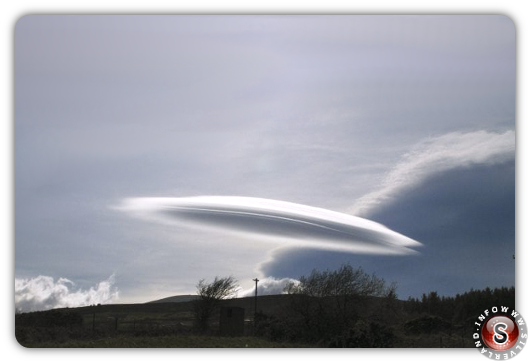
[255, 302]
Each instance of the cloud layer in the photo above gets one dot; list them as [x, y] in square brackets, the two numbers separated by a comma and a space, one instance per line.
[44, 293]
[437, 155]
[288, 223]
[456, 194]
[268, 286]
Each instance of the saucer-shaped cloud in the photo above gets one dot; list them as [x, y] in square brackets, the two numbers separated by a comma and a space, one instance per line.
[286, 223]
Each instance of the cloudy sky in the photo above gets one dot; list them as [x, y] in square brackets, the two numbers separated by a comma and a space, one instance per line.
[408, 121]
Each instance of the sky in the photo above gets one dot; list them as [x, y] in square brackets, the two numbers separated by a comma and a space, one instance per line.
[407, 121]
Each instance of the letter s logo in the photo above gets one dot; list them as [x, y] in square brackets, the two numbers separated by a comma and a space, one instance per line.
[500, 337]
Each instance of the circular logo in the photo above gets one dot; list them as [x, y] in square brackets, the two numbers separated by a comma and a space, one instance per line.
[500, 332]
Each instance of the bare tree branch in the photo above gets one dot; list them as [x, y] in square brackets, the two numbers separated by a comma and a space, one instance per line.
[210, 294]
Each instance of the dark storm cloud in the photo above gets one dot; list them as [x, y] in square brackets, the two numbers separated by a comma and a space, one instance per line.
[465, 219]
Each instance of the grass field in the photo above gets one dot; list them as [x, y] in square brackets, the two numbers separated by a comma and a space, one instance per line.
[171, 325]
[189, 341]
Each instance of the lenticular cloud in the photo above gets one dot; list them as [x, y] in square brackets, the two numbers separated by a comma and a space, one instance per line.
[286, 223]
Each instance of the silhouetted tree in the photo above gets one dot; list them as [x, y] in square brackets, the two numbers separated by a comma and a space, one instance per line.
[328, 302]
[210, 294]
[461, 307]
[346, 281]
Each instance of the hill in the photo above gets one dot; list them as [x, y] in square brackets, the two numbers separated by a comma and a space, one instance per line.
[175, 299]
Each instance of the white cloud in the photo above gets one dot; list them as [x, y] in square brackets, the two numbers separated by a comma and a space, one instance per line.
[281, 222]
[268, 286]
[43, 293]
[435, 155]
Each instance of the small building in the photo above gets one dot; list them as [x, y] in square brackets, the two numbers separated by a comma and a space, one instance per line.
[231, 321]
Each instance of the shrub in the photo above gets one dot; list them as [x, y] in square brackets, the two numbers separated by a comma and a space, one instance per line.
[426, 325]
[365, 335]
[276, 329]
